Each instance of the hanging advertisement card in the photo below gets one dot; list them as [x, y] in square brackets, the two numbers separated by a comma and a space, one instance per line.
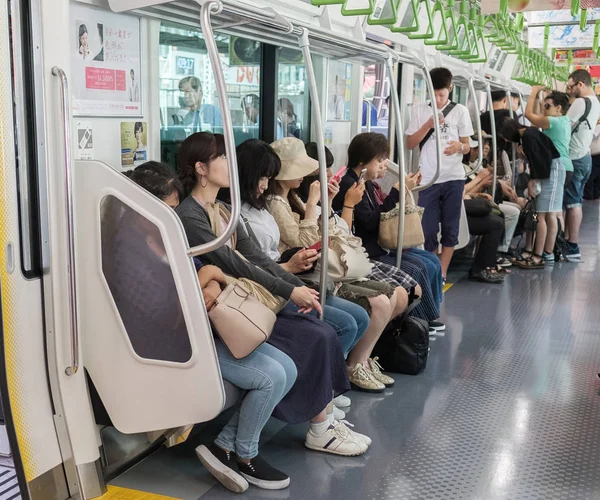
[339, 89]
[106, 63]
[133, 143]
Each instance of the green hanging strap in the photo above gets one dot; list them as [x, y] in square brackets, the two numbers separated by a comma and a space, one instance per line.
[430, 32]
[583, 20]
[596, 35]
[452, 43]
[384, 13]
[546, 36]
[574, 8]
[358, 7]
[442, 37]
[462, 27]
[414, 26]
[318, 3]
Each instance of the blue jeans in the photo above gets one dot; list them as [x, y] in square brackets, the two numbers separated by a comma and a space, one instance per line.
[434, 269]
[267, 374]
[349, 320]
[582, 170]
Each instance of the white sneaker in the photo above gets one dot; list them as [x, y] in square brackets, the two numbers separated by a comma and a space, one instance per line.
[366, 439]
[336, 440]
[342, 401]
[338, 414]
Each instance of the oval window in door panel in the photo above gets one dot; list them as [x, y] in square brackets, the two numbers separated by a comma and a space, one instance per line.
[136, 268]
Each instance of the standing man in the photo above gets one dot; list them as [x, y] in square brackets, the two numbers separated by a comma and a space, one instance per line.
[584, 114]
[195, 114]
[443, 200]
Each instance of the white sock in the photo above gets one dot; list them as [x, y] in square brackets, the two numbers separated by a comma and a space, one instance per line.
[319, 428]
[330, 418]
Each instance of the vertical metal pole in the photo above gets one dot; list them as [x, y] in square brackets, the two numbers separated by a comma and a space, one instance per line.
[207, 8]
[494, 138]
[477, 123]
[368, 122]
[395, 100]
[320, 140]
[436, 125]
[65, 97]
[514, 146]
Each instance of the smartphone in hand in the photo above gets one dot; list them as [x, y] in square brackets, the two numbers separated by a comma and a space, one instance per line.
[338, 177]
[363, 175]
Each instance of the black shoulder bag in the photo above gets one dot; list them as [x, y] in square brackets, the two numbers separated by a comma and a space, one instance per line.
[584, 116]
[445, 112]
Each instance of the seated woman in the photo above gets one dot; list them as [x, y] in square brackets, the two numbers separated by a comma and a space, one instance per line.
[300, 229]
[311, 343]
[547, 178]
[370, 151]
[557, 126]
[267, 374]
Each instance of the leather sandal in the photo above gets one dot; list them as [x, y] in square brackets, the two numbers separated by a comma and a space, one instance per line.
[531, 263]
[521, 257]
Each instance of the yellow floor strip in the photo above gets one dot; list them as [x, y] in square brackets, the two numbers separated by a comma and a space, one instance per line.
[447, 287]
[116, 493]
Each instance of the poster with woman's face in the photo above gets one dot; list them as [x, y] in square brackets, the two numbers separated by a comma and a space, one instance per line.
[133, 143]
[105, 63]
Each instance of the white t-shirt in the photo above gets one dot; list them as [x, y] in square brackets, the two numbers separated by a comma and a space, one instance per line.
[456, 125]
[265, 229]
[580, 142]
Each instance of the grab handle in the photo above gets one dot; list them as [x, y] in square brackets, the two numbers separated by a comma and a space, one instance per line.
[66, 116]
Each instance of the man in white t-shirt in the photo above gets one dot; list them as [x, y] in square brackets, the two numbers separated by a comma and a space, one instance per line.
[579, 87]
[443, 200]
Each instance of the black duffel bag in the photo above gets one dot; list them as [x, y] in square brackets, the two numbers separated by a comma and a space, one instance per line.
[404, 345]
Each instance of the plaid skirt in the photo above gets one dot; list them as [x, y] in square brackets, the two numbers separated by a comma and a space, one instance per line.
[391, 274]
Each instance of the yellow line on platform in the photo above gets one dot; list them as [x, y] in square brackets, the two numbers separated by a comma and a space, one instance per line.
[447, 287]
[117, 493]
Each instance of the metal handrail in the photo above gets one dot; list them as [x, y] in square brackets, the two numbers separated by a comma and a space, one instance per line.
[370, 106]
[395, 100]
[494, 138]
[73, 368]
[477, 123]
[207, 8]
[304, 44]
[511, 112]
[436, 126]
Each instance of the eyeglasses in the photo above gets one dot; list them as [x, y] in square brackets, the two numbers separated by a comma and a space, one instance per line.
[547, 106]
[569, 87]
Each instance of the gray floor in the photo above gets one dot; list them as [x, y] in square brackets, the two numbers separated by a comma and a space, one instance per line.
[508, 407]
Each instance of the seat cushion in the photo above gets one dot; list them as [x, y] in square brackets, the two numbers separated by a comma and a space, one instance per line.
[232, 394]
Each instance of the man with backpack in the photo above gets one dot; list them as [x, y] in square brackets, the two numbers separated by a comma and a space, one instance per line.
[583, 113]
[443, 200]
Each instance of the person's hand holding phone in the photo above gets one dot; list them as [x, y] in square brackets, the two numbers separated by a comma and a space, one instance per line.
[354, 195]
[333, 188]
[303, 260]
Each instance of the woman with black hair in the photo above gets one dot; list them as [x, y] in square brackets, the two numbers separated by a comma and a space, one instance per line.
[312, 344]
[546, 183]
[370, 151]
[267, 373]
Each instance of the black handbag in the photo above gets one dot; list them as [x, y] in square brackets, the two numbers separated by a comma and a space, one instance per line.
[404, 345]
[528, 218]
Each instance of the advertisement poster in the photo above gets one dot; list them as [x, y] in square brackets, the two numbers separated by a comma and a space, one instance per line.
[133, 143]
[582, 56]
[106, 78]
[85, 140]
[339, 90]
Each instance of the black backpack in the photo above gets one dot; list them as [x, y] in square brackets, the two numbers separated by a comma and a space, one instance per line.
[404, 345]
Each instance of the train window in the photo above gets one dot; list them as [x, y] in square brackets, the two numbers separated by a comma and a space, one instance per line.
[139, 277]
[188, 98]
[293, 105]
[376, 90]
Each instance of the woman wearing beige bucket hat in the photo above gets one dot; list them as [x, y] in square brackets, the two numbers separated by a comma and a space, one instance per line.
[298, 226]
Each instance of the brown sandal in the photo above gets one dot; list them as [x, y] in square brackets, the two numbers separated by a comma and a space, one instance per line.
[530, 263]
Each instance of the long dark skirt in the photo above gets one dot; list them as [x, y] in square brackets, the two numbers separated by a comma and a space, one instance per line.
[315, 349]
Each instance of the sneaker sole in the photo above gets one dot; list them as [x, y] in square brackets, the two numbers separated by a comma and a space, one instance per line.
[573, 258]
[362, 389]
[387, 386]
[266, 485]
[334, 452]
[229, 478]
[438, 328]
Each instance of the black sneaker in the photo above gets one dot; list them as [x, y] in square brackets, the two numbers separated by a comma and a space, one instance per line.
[438, 326]
[260, 474]
[223, 466]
